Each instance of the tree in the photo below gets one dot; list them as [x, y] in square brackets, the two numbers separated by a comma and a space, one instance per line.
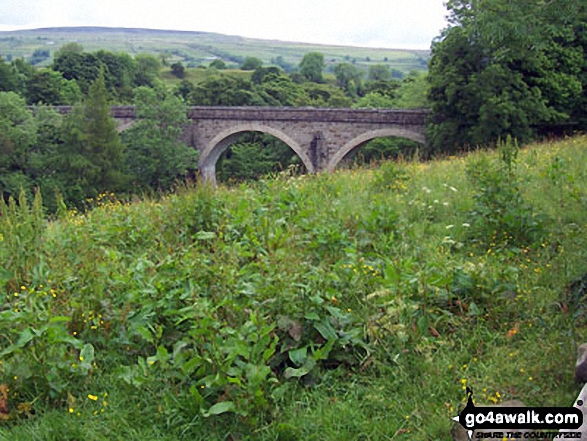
[18, 133]
[280, 90]
[8, 80]
[505, 68]
[348, 78]
[413, 92]
[148, 67]
[102, 143]
[156, 156]
[379, 72]
[178, 70]
[218, 64]
[49, 87]
[311, 67]
[120, 71]
[225, 91]
[251, 63]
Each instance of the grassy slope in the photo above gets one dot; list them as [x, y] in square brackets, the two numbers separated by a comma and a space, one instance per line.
[337, 239]
[199, 47]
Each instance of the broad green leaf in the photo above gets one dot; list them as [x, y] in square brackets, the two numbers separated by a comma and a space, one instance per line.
[219, 408]
[304, 370]
[298, 356]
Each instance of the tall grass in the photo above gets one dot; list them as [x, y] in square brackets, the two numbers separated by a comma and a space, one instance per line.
[355, 305]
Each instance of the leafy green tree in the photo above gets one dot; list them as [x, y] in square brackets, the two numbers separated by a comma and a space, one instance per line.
[18, 133]
[8, 80]
[155, 154]
[225, 91]
[49, 87]
[261, 72]
[184, 89]
[375, 100]
[83, 67]
[280, 90]
[148, 68]
[218, 64]
[40, 55]
[504, 68]
[386, 88]
[312, 66]
[379, 72]
[251, 63]
[325, 95]
[119, 74]
[413, 92]
[349, 78]
[178, 70]
[280, 61]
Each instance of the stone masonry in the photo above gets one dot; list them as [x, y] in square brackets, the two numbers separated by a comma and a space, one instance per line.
[321, 137]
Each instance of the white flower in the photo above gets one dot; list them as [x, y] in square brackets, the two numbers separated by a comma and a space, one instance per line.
[466, 225]
[453, 189]
[448, 227]
[445, 204]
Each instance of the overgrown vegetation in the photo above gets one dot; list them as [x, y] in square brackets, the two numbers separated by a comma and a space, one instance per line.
[355, 305]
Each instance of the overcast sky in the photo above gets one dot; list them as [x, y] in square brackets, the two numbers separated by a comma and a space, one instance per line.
[376, 23]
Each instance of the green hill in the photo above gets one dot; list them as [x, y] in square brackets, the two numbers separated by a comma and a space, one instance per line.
[199, 48]
[355, 305]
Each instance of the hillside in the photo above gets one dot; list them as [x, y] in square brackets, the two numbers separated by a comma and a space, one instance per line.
[352, 305]
[199, 48]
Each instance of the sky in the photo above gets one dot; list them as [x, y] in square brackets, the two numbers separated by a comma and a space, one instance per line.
[407, 24]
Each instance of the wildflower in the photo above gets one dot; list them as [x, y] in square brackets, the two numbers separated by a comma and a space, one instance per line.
[466, 225]
[448, 227]
[92, 397]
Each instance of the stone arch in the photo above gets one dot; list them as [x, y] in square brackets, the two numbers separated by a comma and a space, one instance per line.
[368, 136]
[223, 140]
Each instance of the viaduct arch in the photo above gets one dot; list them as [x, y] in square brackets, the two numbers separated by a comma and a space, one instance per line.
[321, 137]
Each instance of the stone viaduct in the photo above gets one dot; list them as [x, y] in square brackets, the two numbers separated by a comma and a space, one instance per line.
[321, 137]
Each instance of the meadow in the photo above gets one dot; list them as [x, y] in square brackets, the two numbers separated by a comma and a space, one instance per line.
[354, 305]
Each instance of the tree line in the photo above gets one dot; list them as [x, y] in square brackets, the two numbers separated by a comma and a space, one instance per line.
[81, 155]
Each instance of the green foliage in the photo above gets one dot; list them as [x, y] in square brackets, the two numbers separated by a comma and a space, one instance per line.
[348, 78]
[178, 70]
[155, 155]
[251, 63]
[102, 143]
[295, 305]
[255, 156]
[504, 69]
[502, 217]
[311, 67]
[8, 79]
[148, 67]
[49, 87]
[18, 133]
[391, 176]
[379, 72]
[218, 64]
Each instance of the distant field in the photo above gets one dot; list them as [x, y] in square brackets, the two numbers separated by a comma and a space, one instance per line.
[199, 48]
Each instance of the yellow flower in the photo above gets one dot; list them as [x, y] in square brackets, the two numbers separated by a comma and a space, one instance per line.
[92, 397]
